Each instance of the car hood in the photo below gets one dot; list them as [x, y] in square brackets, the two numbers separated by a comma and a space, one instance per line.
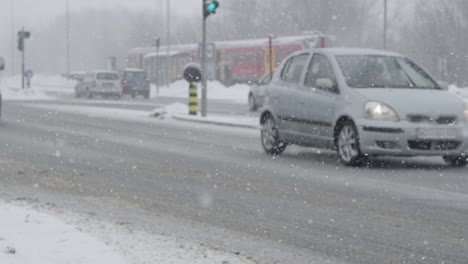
[416, 101]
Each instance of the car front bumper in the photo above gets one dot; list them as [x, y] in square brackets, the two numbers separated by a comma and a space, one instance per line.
[412, 139]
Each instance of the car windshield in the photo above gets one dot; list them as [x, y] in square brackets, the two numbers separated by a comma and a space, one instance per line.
[374, 71]
[137, 76]
[107, 76]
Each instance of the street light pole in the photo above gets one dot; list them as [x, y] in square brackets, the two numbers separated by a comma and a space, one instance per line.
[23, 66]
[12, 17]
[168, 58]
[270, 54]
[385, 26]
[68, 37]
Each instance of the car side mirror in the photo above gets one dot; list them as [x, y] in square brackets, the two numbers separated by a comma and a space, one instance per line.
[325, 84]
[443, 85]
[2, 64]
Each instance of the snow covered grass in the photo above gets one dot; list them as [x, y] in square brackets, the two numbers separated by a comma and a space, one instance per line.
[237, 93]
[42, 88]
[15, 94]
[460, 92]
[222, 120]
[28, 237]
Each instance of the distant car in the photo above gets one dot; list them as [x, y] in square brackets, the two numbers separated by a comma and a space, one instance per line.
[104, 83]
[363, 103]
[135, 82]
[257, 93]
[77, 76]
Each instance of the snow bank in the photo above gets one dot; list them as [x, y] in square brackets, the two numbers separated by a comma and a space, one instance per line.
[43, 83]
[15, 94]
[170, 110]
[221, 120]
[460, 92]
[217, 91]
[30, 237]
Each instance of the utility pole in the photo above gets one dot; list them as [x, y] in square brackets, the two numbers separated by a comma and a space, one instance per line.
[168, 58]
[270, 54]
[204, 99]
[209, 8]
[22, 35]
[68, 37]
[12, 17]
[385, 26]
[22, 59]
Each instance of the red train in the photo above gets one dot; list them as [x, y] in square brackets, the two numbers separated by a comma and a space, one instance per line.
[232, 62]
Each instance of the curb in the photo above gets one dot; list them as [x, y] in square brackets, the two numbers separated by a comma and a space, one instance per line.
[217, 123]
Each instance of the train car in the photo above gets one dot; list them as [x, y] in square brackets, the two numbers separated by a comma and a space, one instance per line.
[241, 61]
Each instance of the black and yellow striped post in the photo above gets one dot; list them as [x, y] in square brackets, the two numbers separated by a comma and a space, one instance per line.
[193, 99]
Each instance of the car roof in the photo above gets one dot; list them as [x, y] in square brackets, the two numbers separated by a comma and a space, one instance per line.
[104, 71]
[133, 70]
[354, 51]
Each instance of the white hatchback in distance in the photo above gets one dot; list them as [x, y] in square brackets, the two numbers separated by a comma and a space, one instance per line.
[103, 83]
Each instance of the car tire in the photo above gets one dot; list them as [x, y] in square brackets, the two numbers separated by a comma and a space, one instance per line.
[347, 144]
[456, 161]
[270, 138]
[252, 104]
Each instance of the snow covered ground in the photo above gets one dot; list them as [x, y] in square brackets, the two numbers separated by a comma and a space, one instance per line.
[56, 85]
[460, 92]
[29, 235]
[237, 93]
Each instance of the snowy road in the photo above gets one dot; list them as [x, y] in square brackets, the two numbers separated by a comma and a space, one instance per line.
[215, 186]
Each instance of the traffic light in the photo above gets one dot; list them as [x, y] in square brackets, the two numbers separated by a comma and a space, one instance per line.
[21, 36]
[210, 7]
[20, 43]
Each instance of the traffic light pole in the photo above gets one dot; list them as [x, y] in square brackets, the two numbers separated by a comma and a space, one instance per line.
[23, 60]
[204, 101]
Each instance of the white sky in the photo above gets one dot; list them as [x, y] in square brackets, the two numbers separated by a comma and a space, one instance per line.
[30, 13]
[43, 10]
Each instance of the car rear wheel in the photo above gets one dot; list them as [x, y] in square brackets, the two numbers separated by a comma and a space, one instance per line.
[456, 161]
[270, 137]
[347, 144]
[252, 104]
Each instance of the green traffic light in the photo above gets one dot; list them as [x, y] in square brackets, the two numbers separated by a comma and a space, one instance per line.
[211, 7]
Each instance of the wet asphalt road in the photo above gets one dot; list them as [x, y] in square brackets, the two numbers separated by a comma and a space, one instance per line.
[303, 206]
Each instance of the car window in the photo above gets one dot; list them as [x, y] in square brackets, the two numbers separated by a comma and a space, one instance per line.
[377, 71]
[319, 68]
[107, 76]
[139, 76]
[293, 68]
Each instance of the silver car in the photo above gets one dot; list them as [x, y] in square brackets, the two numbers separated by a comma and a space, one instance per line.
[362, 103]
[257, 93]
[104, 83]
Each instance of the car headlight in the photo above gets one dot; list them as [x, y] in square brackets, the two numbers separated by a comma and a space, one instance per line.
[381, 111]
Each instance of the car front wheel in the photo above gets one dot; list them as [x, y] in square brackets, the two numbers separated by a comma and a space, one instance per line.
[270, 137]
[347, 143]
[456, 161]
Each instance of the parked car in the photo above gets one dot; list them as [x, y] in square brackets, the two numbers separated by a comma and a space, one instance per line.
[104, 83]
[257, 93]
[363, 103]
[135, 82]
